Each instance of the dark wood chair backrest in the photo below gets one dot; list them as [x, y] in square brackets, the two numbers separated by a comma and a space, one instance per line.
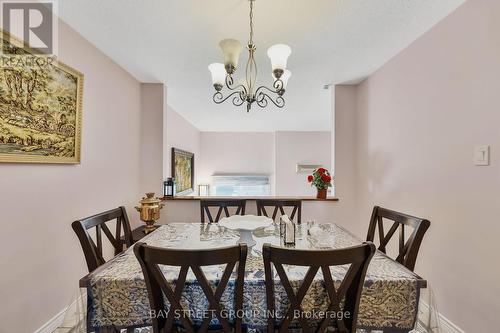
[348, 292]
[280, 205]
[151, 257]
[408, 250]
[91, 250]
[223, 206]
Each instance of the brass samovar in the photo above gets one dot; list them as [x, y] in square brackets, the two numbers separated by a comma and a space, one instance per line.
[149, 209]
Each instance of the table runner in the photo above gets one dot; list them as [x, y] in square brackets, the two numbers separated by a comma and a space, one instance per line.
[117, 294]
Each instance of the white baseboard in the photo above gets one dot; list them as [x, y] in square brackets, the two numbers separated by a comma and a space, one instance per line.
[53, 323]
[58, 320]
[446, 326]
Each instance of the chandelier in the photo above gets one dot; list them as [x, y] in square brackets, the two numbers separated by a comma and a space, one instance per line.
[222, 74]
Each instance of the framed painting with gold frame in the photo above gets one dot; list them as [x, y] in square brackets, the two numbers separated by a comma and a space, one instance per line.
[40, 106]
[183, 171]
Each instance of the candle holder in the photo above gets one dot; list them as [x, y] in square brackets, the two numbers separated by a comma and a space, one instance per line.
[203, 190]
[169, 187]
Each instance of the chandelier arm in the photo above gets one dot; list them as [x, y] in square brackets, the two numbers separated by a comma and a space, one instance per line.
[229, 83]
[263, 103]
[238, 100]
[262, 99]
[219, 98]
[278, 85]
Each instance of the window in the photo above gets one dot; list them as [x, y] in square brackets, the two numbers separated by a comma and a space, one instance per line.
[241, 185]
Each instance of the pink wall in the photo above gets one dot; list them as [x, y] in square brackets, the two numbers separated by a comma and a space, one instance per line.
[41, 258]
[236, 153]
[152, 114]
[179, 133]
[345, 160]
[294, 148]
[417, 120]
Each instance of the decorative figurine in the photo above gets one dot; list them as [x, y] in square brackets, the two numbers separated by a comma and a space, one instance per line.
[149, 209]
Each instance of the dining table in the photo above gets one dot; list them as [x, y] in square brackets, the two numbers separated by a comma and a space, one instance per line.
[117, 296]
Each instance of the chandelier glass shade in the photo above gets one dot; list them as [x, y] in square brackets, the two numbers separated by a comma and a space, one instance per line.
[279, 54]
[246, 92]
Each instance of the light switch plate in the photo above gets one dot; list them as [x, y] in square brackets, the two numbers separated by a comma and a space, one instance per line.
[482, 155]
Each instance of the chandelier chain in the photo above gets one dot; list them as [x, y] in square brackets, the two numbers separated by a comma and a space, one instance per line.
[251, 22]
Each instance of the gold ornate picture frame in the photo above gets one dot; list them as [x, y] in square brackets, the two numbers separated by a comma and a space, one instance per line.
[40, 106]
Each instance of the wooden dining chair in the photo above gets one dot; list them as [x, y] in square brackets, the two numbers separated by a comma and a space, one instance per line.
[408, 249]
[160, 289]
[280, 205]
[348, 292]
[91, 250]
[223, 206]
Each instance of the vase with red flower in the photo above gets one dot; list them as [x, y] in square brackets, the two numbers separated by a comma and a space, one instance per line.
[322, 180]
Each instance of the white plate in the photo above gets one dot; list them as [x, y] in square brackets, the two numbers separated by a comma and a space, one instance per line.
[245, 222]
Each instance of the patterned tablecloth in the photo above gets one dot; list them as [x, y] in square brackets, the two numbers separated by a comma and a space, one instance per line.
[117, 294]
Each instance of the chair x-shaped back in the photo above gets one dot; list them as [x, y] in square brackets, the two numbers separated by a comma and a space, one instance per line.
[151, 257]
[279, 205]
[407, 250]
[92, 251]
[349, 290]
[223, 206]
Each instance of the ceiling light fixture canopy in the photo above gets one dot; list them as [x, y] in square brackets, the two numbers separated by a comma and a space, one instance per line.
[222, 74]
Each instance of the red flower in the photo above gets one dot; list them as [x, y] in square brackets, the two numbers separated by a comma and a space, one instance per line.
[326, 178]
[321, 170]
[310, 179]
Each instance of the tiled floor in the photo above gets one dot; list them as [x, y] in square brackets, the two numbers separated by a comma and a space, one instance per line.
[63, 330]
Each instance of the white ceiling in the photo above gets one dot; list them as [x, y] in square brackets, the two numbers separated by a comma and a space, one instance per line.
[173, 41]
